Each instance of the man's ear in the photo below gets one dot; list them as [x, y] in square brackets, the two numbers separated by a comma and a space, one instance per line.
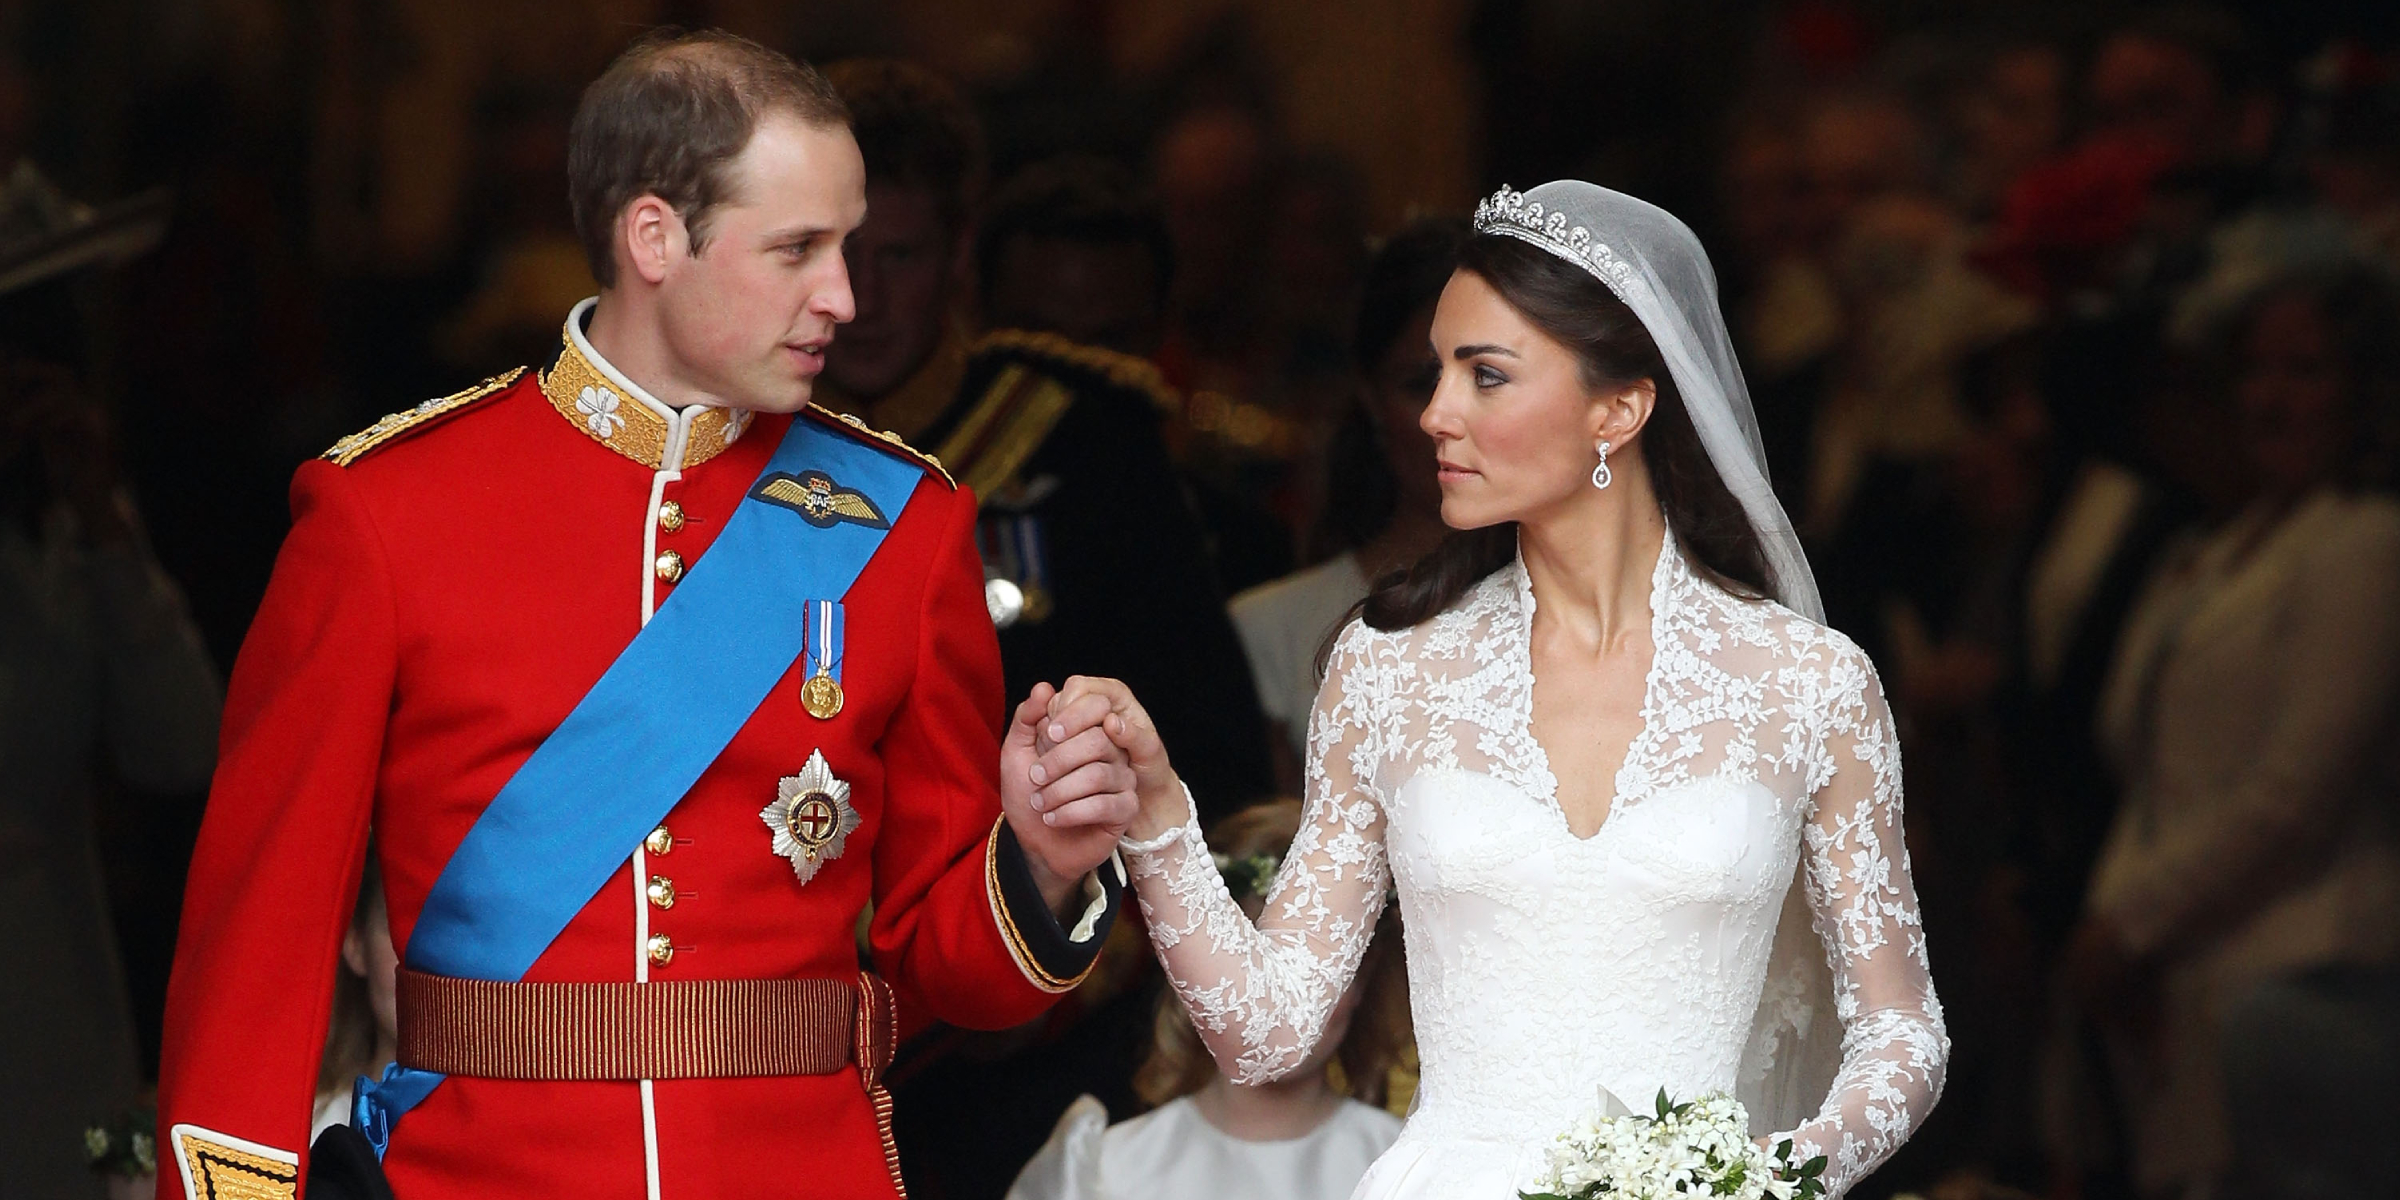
[354, 952]
[1619, 416]
[651, 237]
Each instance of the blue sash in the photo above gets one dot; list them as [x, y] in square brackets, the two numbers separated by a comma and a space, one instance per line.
[635, 743]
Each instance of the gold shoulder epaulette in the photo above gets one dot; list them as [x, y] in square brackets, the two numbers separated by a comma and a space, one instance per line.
[358, 445]
[887, 440]
[1124, 370]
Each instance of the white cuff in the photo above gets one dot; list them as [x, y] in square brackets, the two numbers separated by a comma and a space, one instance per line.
[1096, 895]
[1191, 809]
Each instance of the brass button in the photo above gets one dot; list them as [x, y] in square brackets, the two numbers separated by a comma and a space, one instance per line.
[659, 841]
[670, 517]
[661, 891]
[670, 566]
[661, 949]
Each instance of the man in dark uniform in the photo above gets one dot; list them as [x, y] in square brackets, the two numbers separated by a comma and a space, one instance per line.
[898, 363]
[1100, 564]
[1097, 564]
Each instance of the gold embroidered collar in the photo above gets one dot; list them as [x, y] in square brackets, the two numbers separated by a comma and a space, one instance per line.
[618, 414]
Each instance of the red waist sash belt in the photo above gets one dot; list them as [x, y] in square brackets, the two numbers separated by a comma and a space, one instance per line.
[676, 1029]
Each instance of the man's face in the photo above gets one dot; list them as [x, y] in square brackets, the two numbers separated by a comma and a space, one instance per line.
[1106, 295]
[748, 317]
[902, 263]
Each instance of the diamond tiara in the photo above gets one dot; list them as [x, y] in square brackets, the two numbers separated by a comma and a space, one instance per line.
[1508, 212]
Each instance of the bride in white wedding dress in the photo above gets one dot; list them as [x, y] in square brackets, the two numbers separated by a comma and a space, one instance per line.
[1641, 810]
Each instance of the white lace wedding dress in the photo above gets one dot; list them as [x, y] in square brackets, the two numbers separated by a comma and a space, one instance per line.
[1543, 968]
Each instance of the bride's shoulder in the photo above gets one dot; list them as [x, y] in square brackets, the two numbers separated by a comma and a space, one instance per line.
[1796, 641]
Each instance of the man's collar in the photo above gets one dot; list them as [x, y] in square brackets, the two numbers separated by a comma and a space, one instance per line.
[620, 414]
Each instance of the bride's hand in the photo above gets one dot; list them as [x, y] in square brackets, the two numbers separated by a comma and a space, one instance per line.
[1092, 704]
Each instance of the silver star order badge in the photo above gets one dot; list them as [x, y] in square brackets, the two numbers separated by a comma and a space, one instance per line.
[811, 816]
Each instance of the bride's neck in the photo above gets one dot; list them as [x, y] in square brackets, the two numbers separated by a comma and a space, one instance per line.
[1591, 559]
[1267, 1112]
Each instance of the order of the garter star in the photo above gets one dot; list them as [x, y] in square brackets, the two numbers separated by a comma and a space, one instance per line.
[810, 816]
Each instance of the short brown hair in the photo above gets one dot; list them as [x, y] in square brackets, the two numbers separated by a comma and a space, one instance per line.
[666, 119]
[916, 131]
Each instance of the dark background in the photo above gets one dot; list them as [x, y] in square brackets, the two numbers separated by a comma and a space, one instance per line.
[369, 210]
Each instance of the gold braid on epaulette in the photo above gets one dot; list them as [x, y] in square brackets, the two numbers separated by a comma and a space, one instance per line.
[889, 439]
[1124, 370]
[358, 445]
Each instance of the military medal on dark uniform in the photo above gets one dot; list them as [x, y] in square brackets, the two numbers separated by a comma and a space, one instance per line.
[811, 817]
[1013, 546]
[821, 660]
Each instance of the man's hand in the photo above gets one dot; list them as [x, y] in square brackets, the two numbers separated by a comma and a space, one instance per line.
[1068, 802]
[1091, 704]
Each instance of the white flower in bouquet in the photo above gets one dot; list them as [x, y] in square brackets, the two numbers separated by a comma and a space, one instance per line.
[1680, 1151]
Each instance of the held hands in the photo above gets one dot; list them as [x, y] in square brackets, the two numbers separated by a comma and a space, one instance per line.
[1079, 769]
[1068, 800]
[1104, 709]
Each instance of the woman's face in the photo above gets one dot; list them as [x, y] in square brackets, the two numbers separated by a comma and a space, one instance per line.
[1511, 421]
[1398, 389]
[2292, 395]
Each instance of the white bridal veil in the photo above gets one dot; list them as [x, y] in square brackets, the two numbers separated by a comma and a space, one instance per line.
[1654, 263]
[1656, 266]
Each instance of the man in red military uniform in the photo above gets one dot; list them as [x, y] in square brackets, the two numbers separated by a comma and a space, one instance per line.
[648, 679]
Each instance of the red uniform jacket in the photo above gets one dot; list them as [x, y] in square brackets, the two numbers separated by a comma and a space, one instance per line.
[455, 580]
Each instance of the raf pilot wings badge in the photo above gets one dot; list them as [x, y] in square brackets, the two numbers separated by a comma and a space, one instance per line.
[819, 500]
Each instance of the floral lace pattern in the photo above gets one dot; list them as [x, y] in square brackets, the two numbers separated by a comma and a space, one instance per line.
[1543, 967]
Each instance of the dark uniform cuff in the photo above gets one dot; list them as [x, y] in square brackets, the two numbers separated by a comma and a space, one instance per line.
[1054, 957]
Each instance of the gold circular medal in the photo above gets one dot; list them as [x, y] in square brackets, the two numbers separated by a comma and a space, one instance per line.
[821, 696]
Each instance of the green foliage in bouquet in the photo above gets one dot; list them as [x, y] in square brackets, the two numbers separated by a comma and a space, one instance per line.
[1697, 1148]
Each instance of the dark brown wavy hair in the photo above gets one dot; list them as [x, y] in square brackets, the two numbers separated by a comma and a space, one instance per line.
[1572, 306]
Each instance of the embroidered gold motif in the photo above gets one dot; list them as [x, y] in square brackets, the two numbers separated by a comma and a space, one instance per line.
[357, 445]
[819, 500]
[927, 461]
[219, 1166]
[599, 406]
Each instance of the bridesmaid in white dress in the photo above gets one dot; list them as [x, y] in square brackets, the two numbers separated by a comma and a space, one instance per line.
[1641, 809]
[1295, 1138]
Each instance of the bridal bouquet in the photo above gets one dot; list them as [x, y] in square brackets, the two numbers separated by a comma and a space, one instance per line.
[1697, 1148]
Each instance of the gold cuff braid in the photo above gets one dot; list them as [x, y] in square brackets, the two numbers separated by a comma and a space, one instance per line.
[1040, 976]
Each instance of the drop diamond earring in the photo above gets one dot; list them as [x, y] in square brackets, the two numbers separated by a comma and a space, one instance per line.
[1601, 475]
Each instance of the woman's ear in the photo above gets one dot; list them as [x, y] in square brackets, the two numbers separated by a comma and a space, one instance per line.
[1618, 416]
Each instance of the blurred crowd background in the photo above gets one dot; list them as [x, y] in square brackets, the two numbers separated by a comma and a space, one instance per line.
[2072, 329]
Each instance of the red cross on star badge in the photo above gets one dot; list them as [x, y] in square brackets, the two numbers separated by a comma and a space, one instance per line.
[811, 817]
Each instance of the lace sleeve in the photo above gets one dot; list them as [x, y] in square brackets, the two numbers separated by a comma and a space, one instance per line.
[1856, 872]
[1260, 993]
